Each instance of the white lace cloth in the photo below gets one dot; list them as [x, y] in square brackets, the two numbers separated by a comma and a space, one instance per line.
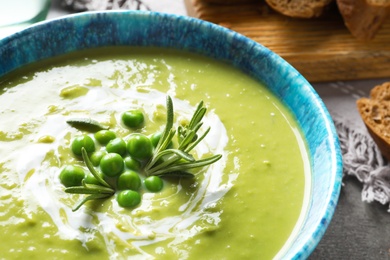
[363, 160]
[169, 6]
[361, 157]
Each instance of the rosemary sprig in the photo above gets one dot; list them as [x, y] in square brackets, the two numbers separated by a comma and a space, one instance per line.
[165, 161]
[95, 191]
[176, 162]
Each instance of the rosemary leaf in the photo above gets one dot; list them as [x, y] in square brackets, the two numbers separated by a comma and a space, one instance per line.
[169, 123]
[179, 153]
[198, 115]
[180, 133]
[197, 141]
[86, 124]
[92, 169]
[82, 190]
[90, 197]
[197, 127]
[167, 140]
[188, 138]
[178, 174]
[194, 116]
[99, 188]
[188, 165]
[166, 163]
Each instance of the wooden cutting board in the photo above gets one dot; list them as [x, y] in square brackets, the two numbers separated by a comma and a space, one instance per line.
[321, 49]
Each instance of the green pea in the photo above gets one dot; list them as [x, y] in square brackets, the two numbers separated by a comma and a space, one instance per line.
[153, 183]
[90, 179]
[129, 180]
[128, 198]
[155, 138]
[111, 164]
[104, 136]
[72, 175]
[132, 164]
[117, 145]
[96, 157]
[82, 141]
[133, 118]
[139, 147]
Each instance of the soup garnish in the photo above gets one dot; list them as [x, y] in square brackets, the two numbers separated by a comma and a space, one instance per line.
[159, 158]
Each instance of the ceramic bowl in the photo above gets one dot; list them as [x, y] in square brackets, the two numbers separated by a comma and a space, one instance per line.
[88, 30]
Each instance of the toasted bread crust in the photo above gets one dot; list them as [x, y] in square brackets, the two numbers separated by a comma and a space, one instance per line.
[382, 3]
[364, 18]
[299, 8]
[375, 112]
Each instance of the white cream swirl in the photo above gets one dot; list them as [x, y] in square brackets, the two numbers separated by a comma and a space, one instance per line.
[38, 166]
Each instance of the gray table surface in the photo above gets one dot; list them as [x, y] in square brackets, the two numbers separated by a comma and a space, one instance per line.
[358, 230]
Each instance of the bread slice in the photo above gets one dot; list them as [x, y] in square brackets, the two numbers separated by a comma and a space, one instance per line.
[375, 112]
[299, 8]
[378, 2]
[230, 2]
[364, 18]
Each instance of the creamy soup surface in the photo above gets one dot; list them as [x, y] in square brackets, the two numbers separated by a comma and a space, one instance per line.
[245, 206]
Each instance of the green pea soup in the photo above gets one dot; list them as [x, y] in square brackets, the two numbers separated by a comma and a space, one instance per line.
[246, 206]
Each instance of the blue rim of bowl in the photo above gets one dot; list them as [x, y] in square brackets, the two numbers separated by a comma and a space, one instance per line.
[51, 38]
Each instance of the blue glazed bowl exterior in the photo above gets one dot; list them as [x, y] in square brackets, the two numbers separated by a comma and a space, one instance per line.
[134, 28]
